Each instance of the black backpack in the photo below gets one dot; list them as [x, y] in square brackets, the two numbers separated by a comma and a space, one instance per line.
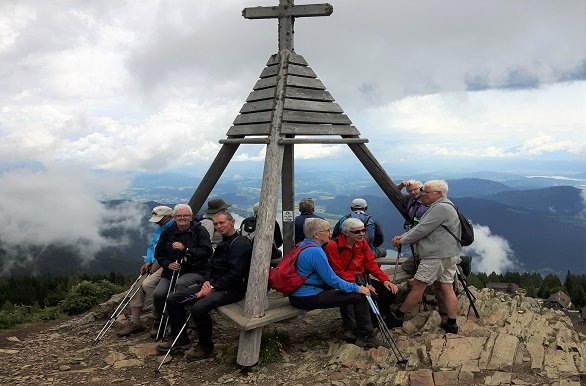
[248, 230]
[466, 229]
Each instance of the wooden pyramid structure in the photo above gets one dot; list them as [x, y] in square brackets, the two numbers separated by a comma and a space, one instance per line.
[287, 101]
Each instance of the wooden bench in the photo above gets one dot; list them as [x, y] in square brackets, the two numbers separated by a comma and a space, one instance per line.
[279, 309]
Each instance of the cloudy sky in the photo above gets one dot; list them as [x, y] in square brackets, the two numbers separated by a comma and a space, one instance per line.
[126, 86]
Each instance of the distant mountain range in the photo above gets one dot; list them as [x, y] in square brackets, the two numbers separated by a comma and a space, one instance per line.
[545, 227]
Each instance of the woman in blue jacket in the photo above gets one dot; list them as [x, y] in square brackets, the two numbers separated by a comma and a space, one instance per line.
[324, 289]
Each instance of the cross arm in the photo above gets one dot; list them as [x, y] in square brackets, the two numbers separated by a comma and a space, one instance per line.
[295, 11]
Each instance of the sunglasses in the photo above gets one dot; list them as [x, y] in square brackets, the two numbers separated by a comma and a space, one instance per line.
[358, 231]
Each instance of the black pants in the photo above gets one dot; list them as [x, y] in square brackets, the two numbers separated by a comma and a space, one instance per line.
[200, 312]
[384, 298]
[334, 298]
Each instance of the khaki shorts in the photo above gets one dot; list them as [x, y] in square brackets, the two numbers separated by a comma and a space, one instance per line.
[442, 270]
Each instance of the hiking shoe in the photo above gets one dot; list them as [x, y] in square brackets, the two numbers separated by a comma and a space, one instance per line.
[349, 336]
[393, 320]
[450, 328]
[369, 341]
[155, 329]
[179, 346]
[131, 328]
[199, 352]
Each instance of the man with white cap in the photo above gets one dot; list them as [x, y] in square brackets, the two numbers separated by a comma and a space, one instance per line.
[163, 217]
[374, 232]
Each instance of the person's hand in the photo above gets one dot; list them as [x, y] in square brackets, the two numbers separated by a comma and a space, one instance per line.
[364, 290]
[396, 241]
[371, 289]
[154, 267]
[174, 266]
[206, 290]
[144, 268]
[391, 286]
[406, 183]
[178, 245]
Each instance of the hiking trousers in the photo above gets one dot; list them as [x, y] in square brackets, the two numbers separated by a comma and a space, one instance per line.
[200, 311]
[147, 287]
[160, 293]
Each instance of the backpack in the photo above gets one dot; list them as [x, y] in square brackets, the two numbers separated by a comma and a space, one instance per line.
[466, 229]
[284, 277]
[248, 230]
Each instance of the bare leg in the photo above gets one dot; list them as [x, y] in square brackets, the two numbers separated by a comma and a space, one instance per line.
[414, 296]
[450, 300]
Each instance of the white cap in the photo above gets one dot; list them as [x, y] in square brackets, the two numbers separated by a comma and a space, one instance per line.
[159, 212]
[358, 203]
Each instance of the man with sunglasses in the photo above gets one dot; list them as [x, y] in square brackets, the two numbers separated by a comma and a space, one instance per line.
[352, 259]
[438, 250]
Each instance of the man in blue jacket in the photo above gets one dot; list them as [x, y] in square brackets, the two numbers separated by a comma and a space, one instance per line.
[163, 217]
[438, 250]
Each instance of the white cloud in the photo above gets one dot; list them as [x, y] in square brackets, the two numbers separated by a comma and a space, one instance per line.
[491, 253]
[48, 207]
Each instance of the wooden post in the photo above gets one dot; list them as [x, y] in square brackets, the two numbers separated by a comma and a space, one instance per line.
[212, 176]
[380, 176]
[288, 198]
[256, 292]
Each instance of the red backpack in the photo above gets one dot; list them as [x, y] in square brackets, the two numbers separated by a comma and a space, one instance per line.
[284, 277]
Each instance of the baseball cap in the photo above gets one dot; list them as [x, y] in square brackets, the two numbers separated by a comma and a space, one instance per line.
[358, 203]
[159, 212]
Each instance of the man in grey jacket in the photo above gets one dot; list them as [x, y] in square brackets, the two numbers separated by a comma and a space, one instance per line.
[439, 252]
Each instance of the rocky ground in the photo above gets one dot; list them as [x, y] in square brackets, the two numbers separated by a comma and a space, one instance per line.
[516, 342]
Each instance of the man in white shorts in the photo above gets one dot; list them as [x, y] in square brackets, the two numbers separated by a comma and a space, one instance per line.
[439, 252]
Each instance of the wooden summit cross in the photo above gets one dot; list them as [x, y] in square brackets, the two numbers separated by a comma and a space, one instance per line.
[287, 101]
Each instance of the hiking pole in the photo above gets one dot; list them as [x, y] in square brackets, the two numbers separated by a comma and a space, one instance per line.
[165, 318]
[391, 344]
[397, 262]
[158, 369]
[469, 294]
[118, 310]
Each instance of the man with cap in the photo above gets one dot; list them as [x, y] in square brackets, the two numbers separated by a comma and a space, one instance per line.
[374, 232]
[163, 217]
[215, 205]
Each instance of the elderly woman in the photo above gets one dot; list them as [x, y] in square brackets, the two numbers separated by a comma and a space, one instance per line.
[352, 259]
[313, 264]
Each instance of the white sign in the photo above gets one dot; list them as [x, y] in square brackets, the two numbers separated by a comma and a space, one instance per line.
[287, 216]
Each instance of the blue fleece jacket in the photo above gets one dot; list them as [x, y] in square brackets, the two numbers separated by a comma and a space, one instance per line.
[150, 253]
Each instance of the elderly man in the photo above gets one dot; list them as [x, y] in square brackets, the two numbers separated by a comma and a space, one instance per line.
[184, 248]
[224, 283]
[374, 233]
[163, 217]
[438, 250]
[352, 260]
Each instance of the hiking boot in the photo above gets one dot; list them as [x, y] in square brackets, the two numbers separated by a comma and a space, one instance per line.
[450, 328]
[393, 320]
[199, 352]
[349, 336]
[154, 329]
[131, 328]
[179, 346]
[369, 341]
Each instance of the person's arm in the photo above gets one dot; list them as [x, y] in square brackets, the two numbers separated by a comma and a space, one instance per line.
[379, 236]
[371, 266]
[334, 258]
[278, 237]
[238, 265]
[202, 250]
[325, 272]
[428, 223]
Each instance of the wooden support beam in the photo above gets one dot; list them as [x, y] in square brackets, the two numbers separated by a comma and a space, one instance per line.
[288, 197]
[212, 176]
[380, 176]
[253, 141]
[326, 141]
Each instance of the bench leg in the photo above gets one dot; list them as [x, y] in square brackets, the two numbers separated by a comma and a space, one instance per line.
[249, 347]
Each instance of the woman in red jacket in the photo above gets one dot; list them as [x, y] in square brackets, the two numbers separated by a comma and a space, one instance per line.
[352, 259]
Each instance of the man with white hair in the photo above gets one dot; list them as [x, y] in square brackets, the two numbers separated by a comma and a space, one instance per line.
[163, 217]
[374, 232]
[438, 250]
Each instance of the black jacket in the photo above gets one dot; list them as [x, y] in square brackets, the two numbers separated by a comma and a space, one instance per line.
[194, 258]
[228, 268]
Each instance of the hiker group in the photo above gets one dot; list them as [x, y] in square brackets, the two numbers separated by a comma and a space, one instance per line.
[195, 265]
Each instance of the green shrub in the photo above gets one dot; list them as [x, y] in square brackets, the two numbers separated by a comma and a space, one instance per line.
[271, 344]
[84, 295]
